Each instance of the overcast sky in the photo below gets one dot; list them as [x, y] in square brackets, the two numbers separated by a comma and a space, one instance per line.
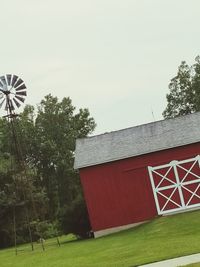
[115, 57]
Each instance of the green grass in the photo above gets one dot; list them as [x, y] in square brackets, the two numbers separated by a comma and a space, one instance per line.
[192, 265]
[162, 238]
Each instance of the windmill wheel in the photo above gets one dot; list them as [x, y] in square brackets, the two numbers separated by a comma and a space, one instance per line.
[12, 92]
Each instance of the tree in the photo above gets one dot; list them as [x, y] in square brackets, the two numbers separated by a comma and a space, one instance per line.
[184, 95]
[50, 148]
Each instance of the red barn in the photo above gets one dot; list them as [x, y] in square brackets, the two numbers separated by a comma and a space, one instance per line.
[132, 175]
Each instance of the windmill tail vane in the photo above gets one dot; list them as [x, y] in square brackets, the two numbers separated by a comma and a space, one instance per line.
[12, 93]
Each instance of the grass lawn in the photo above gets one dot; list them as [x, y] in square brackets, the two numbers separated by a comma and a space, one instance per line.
[192, 265]
[162, 238]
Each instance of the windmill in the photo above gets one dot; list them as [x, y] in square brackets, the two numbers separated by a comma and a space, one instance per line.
[12, 95]
[13, 92]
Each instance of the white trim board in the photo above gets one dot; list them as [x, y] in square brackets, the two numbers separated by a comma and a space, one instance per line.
[116, 229]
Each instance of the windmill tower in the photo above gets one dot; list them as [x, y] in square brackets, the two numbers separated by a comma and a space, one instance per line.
[12, 94]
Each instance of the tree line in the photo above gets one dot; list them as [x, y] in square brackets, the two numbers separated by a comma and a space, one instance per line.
[49, 190]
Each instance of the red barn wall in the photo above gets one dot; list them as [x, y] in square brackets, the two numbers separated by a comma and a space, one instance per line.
[119, 193]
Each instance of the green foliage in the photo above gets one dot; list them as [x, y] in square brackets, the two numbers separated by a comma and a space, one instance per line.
[56, 128]
[50, 188]
[184, 96]
[18, 197]
[46, 229]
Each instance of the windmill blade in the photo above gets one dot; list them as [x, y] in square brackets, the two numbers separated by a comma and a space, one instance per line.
[14, 79]
[21, 87]
[16, 103]
[19, 81]
[1, 84]
[3, 80]
[20, 98]
[1, 104]
[1, 94]
[21, 93]
[9, 76]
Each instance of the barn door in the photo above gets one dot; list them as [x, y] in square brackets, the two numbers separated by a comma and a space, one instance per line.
[176, 186]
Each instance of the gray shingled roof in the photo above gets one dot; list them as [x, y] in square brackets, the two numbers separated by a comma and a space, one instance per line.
[137, 140]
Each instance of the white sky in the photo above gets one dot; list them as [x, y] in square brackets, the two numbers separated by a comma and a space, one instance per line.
[115, 57]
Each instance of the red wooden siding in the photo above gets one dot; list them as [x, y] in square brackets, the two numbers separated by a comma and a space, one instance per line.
[119, 193]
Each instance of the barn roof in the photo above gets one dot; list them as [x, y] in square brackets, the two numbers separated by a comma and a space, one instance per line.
[138, 140]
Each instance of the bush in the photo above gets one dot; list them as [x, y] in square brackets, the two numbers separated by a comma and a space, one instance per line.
[45, 229]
